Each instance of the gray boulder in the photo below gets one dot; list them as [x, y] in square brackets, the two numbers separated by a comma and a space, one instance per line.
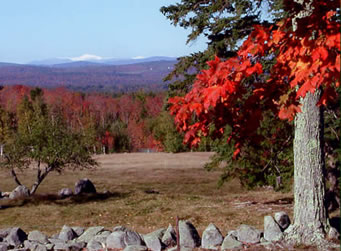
[333, 234]
[84, 186]
[94, 245]
[120, 228]
[89, 234]
[16, 237]
[135, 248]
[189, 236]
[78, 230]
[65, 192]
[169, 237]
[4, 232]
[211, 237]
[69, 246]
[4, 246]
[102, 236]
[67, 234]
[248, 234]
[19, 192]
[37, 236]
[230, 243]
[153, 242]
[34, 246]
[272, 231]
[132, 238]
[181, 249]
[282, 219]
[116, 240]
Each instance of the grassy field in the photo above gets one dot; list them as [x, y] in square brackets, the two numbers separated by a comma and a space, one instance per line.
[145, 191]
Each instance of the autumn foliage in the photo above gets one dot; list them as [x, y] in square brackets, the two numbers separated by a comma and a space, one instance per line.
[237, 92]
[106, 120]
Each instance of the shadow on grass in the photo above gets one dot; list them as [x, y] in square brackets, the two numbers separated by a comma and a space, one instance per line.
[282, 201]
[55, 199]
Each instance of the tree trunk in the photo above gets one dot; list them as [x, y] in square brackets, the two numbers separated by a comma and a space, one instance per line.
[310, 215]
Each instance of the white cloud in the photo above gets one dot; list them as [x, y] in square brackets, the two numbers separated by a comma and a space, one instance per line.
[139, 57]
[86, 57]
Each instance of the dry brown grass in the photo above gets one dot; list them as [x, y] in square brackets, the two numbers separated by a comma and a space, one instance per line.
[147, 192]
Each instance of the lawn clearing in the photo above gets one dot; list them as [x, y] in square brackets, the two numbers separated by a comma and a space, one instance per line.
[143, 191]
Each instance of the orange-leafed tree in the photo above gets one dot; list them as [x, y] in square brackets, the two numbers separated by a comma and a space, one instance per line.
[304, 78]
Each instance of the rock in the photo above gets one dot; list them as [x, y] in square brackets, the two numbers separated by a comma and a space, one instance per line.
[89, 234]
[120, 228]
[248, 234]
[333, 234]
[211, 237]
[65, 192]
[16, 237]
[19, 192]
[94, 245]
[5, 232]
[135, 248]
[272, 231]
[116, 240]
[34, 246]
[230, 243]
[189, 236]
[50, 246]
[159, 233]
[4, 246]
[84, 186]
[78, 230]
[37, 237]
[5, 194]
[56, 241]
[169, 237]
[102, 236]
[282, 220]
[132, 238]
[181, 249]
[153, 242]
[67, 234]
[68, 246]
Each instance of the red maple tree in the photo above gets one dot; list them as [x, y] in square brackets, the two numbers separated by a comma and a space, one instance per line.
[307, 51]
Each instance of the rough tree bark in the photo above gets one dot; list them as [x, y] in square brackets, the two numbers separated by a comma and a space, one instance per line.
[310, 214]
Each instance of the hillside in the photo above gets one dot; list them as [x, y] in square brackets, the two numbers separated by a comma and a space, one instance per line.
[89, 76]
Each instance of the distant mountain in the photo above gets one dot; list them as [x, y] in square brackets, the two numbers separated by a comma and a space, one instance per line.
[91, 76]
[57, 62]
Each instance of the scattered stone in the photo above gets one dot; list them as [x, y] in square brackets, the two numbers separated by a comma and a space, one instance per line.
[282, 219]
[4, 246]
[5, 232]
[248, 234]
[120, 228]
[37, 236]
[65, 193]
[135, 248]
[189, 236]
[230, 243]
[272, 231]
[19, 192]
[78, 230]
[132, 238]
[333, 234]
[16, 237]
[34, 246]
[94, 245]
[84, 186]
[56, 241]
[153, 241]
[181, 249]
[67, 234]
[159, 233]
[89, 234]
[211, 237]
[116, 240]
[169, 237]
[102, 236]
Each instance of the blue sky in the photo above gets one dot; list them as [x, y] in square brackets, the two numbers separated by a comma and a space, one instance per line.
[42, 29]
